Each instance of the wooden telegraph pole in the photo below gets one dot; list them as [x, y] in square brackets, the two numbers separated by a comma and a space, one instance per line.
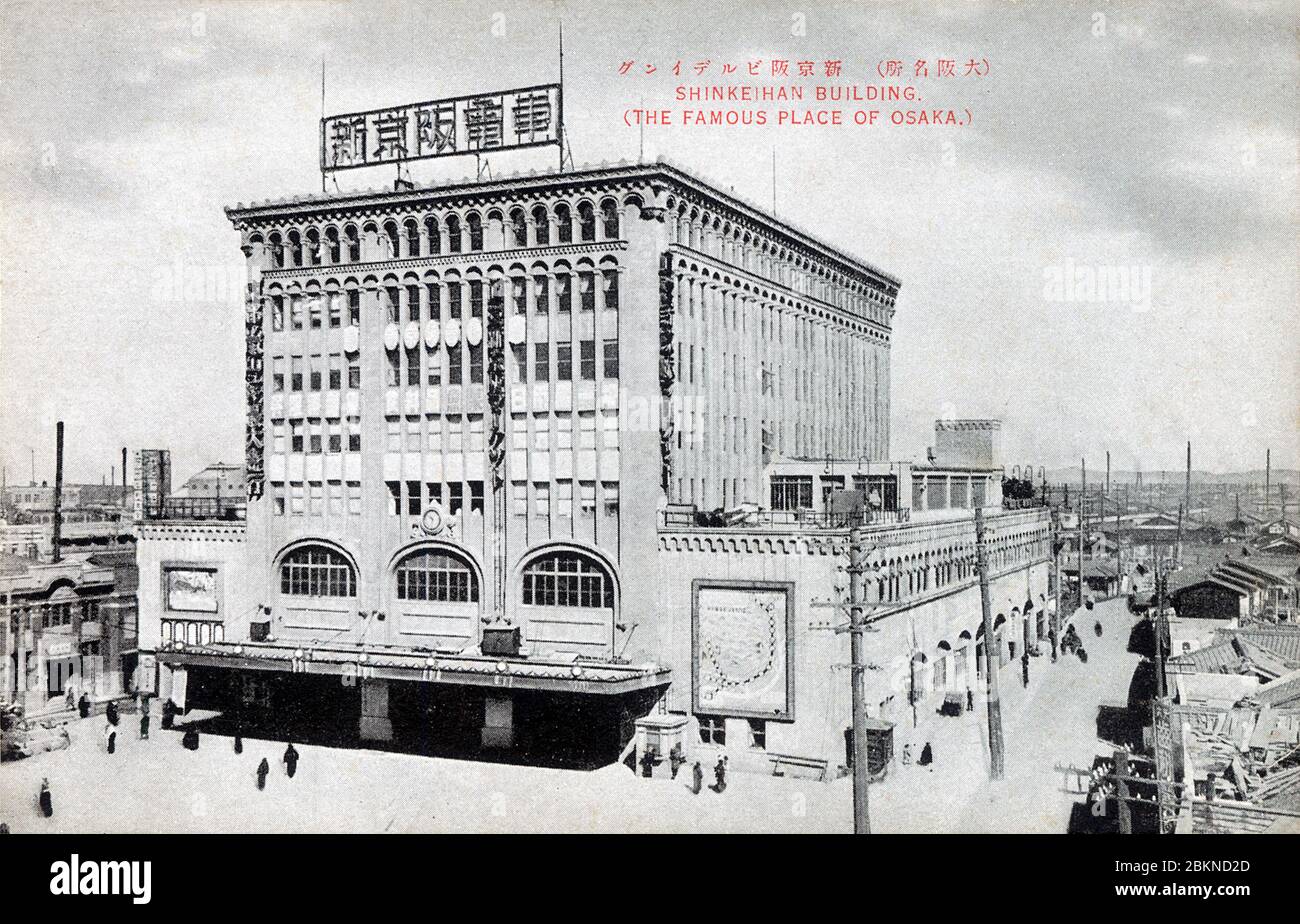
[857, 628]
[990, 663]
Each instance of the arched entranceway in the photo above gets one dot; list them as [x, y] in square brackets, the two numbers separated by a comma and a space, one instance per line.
[435, 592]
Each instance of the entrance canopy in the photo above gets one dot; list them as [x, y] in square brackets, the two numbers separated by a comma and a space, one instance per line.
[463, 669]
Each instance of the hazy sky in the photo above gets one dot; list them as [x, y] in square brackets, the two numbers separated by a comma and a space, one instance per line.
[1156, 137]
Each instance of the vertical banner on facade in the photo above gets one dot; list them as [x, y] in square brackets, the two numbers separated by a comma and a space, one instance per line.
[743, 647]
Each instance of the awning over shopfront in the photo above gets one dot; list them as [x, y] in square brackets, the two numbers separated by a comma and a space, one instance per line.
[405, 664]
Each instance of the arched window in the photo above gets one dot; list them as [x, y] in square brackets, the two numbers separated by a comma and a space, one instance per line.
[317, 571]
[453, 234]
[519, 227]
[277, 251]
[412, 238]
[431, 232]
[295, 249]
[436, 576]
[609, 218]
[563, 224]
[586, 221]
[394, 240]
[541, 226]
[313, 247]
[332, 244]
[354, 244]
[475, 231]
[567, 579]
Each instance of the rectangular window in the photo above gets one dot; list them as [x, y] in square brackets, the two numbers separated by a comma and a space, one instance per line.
[542, 493]
[586, 431]
[563, 362]
[277, 312]
[394, 497]
[413, 303]
[475, 432]
[295, 311]
[455, 497]
[454, 374]
[314, 436]
[277, 374]
[610, 490]
[354, 307]
[295, 373]
[564, 499]
[519, 295]
[791, 492]
[295, 436]
[435, 301]
[413, 368]
[354, 373]
[609, 424]
[455, 434]
[519, 371]
[475, 298]
[587, 354]
[519, 498]
[611, 359]
[277, 498]
[278, 436]
[413, 434]
[564, 293]
[354, 498]
[335, 436]
[393, 429]
[563, 431]
[392, 303]
[336, 309]
[296, 498]
[354, 434]
[453, 299]
[413, 500]
[314, 310]
[541, 294]
[476, 363]
[317, 498]
[476, 497]
[314, 368]
[394, 375]
[336, 498]
[587, 495]
[336, 372]
[611, 289]
[541, 362]
[713, 730]
[434, 489]
[586, 291]
[433, 368]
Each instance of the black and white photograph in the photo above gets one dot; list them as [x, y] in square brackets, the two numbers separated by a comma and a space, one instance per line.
[650, 418]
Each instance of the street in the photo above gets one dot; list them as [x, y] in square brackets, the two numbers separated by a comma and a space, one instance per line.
[157, 785]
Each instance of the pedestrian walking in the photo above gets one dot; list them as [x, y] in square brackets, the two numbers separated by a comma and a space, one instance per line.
[144, 722]
[720, 775]
[1096, 628]
[110, 737]
[262, 770]
[83, 706]
[1083, 655]
[907, 754]
[168, 713]
[1024, 669]
[4, 827]
[290, 760]
[111, 713]
[239, 743]
[1052, 635]
[927, 757]
[45, 799]
[970, 700]
[190, 740]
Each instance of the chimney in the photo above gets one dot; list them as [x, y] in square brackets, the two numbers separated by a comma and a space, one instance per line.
[58, 491]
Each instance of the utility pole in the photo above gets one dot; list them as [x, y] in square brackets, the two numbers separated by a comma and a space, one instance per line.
[1159, 631]
[1107, 473]
[857, 628]
[58, 491]
[1187, 487]
[994, 705]
[1268, 472]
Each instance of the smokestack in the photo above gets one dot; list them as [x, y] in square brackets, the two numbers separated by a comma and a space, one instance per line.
[1268, 472]
[1187, 488]
[123, 476]
[1108, 472]
[58, 490]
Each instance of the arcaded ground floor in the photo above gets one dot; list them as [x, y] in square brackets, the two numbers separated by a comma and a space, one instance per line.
[157, 785]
